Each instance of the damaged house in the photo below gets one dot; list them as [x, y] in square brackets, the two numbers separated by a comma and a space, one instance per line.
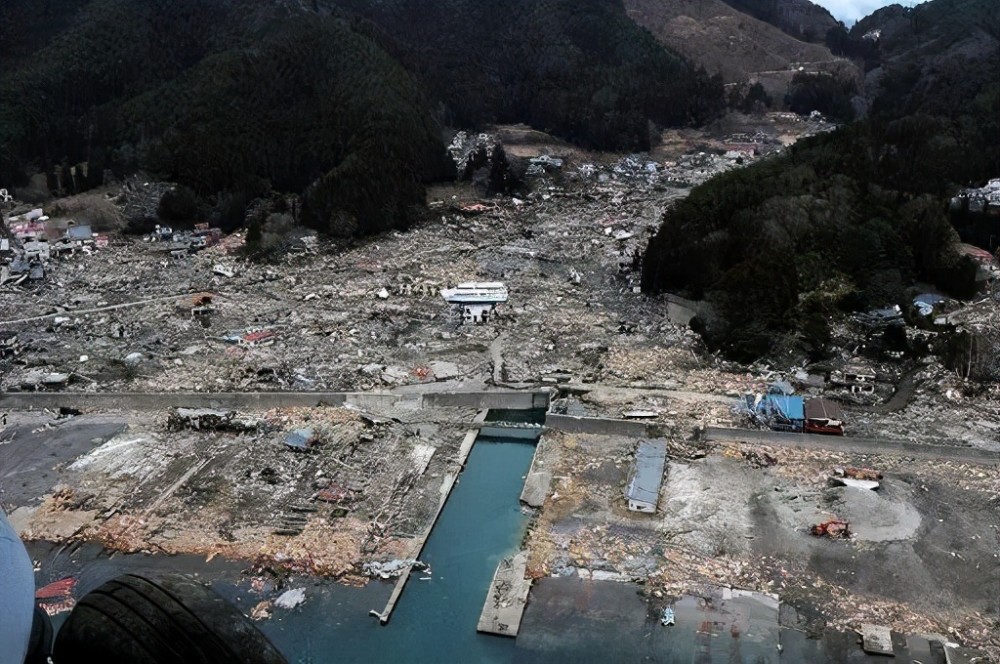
[824, 416]
[780, 410]
[777, 411]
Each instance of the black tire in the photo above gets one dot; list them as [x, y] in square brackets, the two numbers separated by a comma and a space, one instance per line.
[160, 620]
[40, 642]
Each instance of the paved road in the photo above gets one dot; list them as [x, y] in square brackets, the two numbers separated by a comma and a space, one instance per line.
[31, 456]
[97, 310]
[855, 445]
[491, 399]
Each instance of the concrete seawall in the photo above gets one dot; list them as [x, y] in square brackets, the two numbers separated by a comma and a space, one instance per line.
[515, 400]
[600, 426]
[501, 400]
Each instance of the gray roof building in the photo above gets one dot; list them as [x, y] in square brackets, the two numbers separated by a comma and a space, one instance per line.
[643, 489]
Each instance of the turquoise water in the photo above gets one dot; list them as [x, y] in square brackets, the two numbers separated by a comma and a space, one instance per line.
[435, 620]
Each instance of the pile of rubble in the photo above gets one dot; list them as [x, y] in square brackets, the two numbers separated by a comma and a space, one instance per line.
[26, 252]
[981, 199]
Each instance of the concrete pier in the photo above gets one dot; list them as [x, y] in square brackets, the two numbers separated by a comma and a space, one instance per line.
[507, 597]
[538, 481]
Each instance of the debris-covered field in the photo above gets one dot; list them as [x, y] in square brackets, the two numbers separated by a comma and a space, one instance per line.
[318, 490]
[919, 553]
[326, 490]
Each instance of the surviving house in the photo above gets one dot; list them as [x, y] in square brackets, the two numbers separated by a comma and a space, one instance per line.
[643, 488]
[36, 248]
[476, 300]
[824, 416]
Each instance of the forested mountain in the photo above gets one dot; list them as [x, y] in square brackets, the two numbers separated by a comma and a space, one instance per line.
[226, 96]
[342, 100]
[581, 70]
[801, 19]
[848, 220]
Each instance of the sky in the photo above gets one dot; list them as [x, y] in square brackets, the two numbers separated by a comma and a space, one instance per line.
[849, 11]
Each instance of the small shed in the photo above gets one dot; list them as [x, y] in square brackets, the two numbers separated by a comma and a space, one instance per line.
[81, 232]
[301, 439]
[643, 488]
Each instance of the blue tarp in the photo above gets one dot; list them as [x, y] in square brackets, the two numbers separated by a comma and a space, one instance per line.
[787, 407]
[300, 439]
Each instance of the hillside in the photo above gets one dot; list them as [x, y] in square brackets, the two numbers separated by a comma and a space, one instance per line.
[582, 71]
[739, 47]
[847, 221]
[225, 97]
[801, 19]
[721, 38]
[928, 56]
[341, 101]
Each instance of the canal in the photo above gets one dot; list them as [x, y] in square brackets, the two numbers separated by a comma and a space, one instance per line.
[568, 620]
[435, 620]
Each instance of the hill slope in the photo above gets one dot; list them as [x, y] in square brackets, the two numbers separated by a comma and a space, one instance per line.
[340, 99]
[848, 220]
[721, 38]
[582, 71]
[225, 96]
[801, 19]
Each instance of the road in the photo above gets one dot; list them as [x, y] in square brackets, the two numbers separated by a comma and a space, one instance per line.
[96, 310]
[854, 445]
[489, 399]
[514, 399]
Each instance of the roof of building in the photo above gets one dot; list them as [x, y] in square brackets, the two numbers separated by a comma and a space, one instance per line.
[476, 292]
[81, 232]
[650, 458]
[823, 409]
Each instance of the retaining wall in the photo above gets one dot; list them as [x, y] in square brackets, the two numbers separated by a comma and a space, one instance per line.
[508, 400]
[264, 400]
[602, 426]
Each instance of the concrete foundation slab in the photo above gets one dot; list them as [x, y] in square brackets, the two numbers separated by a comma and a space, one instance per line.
[536, 488]
[876, 639]
[506, 598]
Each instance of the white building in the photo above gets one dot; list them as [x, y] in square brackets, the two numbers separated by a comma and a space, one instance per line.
[476, 300]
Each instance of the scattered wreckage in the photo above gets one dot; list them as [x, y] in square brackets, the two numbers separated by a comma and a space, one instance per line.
[29, 242]
[833, 529]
